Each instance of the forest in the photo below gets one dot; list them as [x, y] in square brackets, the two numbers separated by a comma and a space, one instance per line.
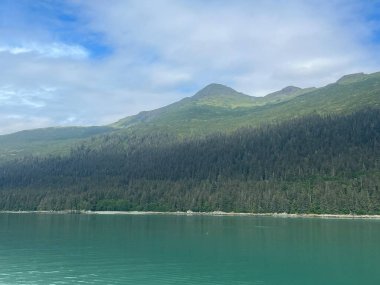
[312, 164]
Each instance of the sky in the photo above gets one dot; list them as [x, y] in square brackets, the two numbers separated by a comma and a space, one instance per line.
[92, 62]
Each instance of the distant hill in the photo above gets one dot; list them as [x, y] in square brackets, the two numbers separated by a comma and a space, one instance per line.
[213, 96]
[214, 109]
[355, 77]
[289, 92]
[218, 108]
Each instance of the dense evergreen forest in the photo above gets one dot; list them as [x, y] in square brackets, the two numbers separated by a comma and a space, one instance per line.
[313, 164]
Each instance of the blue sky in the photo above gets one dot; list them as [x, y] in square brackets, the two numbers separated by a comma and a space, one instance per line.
[92, 62]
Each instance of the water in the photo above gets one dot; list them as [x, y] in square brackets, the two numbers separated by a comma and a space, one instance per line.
[94, 249]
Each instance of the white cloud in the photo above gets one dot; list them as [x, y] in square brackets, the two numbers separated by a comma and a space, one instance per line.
[14, 50]
[220, 41]
[52, 50]
[10, 96]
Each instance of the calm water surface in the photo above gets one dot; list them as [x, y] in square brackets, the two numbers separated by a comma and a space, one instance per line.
[91, 249]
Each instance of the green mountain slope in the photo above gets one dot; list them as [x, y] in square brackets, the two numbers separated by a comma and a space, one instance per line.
[212, 96]
[216, 108]
[46, 141]
[215, 101]
[288, 93]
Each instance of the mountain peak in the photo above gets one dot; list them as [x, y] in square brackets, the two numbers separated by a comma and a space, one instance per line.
[288, 90]
[215, 89]
[219, 95]
[351, 78]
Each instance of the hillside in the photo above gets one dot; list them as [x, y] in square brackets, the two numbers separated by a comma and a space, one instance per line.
[214, 109]
[46, 141]
[220, 109]
[313, 164]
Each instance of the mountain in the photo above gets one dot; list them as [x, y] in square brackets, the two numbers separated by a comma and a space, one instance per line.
[289, 92]
[311, 164]
[203, 104]
[214, 109]
[219, 92]
[217, 108]
[351, 78]
[313, 150]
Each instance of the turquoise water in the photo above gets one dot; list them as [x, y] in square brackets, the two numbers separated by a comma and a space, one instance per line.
[119, 249]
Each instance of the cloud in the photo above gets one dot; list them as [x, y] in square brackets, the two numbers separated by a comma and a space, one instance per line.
[254, 47]
[157, 52]
[52, 50]
[10, 96]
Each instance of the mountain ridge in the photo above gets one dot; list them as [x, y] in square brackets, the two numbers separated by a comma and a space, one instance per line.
[215, 108]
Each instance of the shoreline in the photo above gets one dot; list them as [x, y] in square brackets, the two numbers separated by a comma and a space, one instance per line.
[191, 213]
